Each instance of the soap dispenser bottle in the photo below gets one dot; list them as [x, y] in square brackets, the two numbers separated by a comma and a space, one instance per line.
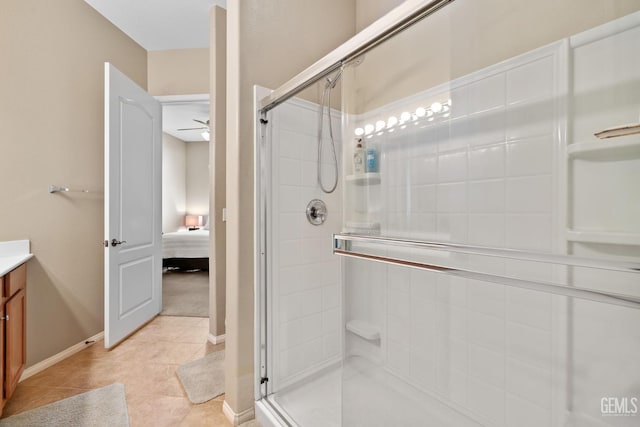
[358, 157]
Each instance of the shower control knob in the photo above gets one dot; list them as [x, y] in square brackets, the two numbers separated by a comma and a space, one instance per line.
[316, 212]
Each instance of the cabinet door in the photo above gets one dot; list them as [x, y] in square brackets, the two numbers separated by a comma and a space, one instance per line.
[15, 343]
[2, 357]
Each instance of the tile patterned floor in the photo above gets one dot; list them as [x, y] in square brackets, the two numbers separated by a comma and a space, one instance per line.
[145, 363]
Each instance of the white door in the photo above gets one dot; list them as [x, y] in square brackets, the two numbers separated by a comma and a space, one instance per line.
[133, 228]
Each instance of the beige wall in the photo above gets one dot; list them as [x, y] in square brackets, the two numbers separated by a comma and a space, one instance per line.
[51, 132]
[269, 42]
[178, 72]
[174, 183]
[466, 36]
[368, 11]
[217, 153]
[197, 176]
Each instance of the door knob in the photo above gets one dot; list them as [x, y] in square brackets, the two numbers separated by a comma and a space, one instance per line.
[115, 242]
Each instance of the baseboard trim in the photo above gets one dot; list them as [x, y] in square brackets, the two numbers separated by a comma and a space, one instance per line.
[216, 339]
[41, 366]
[237, 419]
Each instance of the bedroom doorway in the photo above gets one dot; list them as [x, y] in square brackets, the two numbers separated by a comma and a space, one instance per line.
[185, 293]
[185, 206]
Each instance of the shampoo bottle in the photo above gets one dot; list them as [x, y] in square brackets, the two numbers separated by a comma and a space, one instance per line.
[371, 159]
[358, 157]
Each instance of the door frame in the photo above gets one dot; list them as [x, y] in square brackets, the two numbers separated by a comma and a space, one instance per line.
[195, 99]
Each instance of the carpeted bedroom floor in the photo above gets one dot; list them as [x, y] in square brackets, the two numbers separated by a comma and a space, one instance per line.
[185, 293]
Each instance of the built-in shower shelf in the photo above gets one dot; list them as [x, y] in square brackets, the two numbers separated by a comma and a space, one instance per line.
[369, 178]
[605, 148]
[604, 237]
[364, 329]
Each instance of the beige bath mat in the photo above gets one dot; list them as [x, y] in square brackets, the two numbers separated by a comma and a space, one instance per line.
[203, 379]
[104, 406]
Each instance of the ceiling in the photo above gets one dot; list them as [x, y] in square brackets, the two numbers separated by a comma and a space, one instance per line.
[161, 24]
[180, 116]
[164, 25]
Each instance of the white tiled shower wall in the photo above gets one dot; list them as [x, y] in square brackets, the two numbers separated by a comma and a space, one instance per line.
[485, 176]
[305, 279]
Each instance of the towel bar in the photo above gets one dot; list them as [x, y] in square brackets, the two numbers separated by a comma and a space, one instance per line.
[63, 189]
[343, 247]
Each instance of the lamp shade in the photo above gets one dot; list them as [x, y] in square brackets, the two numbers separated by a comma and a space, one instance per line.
[193, 220]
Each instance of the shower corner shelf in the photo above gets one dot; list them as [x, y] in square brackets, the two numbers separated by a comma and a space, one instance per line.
[596, 148]
[363, 329]
[369, 178]
[607, 237]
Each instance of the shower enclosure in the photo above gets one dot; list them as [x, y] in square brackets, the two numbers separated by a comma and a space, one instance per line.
[479, 260]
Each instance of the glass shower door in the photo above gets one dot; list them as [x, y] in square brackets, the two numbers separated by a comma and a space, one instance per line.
[490, 247]
[479, 263]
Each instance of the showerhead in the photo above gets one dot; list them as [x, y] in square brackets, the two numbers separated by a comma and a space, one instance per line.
[332, 82]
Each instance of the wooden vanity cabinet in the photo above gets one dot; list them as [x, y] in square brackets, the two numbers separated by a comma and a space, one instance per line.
[13, 344]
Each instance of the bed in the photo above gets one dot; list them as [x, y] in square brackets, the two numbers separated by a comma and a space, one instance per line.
[187, 250]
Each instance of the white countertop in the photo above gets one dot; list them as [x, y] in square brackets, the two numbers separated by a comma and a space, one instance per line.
[12, 254]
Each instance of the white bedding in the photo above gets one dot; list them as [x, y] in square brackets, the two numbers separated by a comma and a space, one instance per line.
[186, 244]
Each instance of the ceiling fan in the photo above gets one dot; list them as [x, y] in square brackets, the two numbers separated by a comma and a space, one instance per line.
[206, 125]
[205, 134]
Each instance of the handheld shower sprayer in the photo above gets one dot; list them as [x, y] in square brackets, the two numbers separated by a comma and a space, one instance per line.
[331, 83]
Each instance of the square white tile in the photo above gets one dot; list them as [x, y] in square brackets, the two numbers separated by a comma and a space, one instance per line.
[487, 229]
[486, 94]
[452, 166]
[487, 331]
[486, 365]
[485, 297]
[530, 382]
[533, 156]
[289, 145]
[529, 345]
[530, 194]
[530, 81]
[290, 171]
[487, 196]
[529, 232]
[452, 197]
[487, 400]
[487, 162]
[529, 308]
